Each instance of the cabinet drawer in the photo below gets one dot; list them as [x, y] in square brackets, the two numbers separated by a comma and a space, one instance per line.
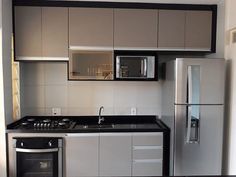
[147, 152]
[148, 139]
[147, 168]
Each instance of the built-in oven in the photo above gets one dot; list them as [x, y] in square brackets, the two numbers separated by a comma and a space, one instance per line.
[38, 157]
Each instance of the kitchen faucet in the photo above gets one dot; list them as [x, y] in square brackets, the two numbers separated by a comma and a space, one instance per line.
[100, 118]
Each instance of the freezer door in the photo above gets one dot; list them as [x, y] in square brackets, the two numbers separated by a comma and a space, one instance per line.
[199, 81]
[198, 140]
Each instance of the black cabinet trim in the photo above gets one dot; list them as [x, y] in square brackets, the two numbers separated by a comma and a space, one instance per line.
[103, 4]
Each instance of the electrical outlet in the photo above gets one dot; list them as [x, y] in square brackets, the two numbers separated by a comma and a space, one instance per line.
[56, 111]
[133, 111]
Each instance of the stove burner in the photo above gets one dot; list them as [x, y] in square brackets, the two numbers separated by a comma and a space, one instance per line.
[24, 123]
[66, 120]
[46, 120]
[46, 123]
[62, 123]
[30, 119]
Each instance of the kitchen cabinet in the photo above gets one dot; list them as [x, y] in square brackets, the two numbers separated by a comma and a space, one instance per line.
[28, 33]
[90, 65]
[185, 30]
[147, 154]
[81, 154]
[91, 28]
[115, 154]
[171, 31]
[55, 33]
[41, 33]
[135, 29]
[198, 30]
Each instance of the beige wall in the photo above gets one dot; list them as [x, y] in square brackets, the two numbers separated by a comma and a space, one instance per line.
[230, 55]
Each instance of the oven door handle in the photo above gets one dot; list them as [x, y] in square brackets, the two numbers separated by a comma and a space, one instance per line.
[37, 150]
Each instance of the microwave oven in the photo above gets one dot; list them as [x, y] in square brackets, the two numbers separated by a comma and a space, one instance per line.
[135, 67]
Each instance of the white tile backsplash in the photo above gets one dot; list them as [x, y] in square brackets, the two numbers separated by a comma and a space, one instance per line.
[32, 73]
[56, 96]
[45, 85]
[33, 96]
[55, 73]
[80, 96]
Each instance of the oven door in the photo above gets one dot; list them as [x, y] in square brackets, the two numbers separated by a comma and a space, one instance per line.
[37, 162]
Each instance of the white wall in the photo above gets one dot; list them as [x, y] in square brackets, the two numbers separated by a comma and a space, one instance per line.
[230, 55]
[45, 85]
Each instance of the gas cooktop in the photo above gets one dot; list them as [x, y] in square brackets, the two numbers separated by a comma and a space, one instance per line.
[45, 123]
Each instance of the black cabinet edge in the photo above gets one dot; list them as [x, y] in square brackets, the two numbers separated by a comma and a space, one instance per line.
[103, 4]
[166, 153]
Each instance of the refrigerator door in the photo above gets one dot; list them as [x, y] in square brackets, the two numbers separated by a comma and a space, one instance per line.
[199, 81]
[198, 140]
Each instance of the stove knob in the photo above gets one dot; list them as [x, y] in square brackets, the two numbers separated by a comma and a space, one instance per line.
[38, 125]
[41, 125]
[35, 125]
[48, 125]
[22, 144]
[50, 144]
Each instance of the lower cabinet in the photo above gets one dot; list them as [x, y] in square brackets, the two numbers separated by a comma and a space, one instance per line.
[114, 154]
[147, 153]
[81, 154]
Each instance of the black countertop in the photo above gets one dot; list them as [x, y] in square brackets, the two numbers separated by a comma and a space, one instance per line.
[88, 124]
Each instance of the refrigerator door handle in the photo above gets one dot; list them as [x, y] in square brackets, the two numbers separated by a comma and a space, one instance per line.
[189, 85]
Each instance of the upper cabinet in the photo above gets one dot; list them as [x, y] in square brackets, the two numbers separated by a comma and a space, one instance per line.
[28, 33]
[135, 29]
[198, 30]
[52, 33]
[55, 32]
[41, 33]
[91, 28]
[185, 30]
[171, 29]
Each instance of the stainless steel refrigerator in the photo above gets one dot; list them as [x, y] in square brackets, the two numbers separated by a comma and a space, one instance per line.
[193, 107]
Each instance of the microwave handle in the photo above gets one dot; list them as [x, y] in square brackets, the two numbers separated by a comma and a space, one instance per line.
[144, 73]
[117, 67]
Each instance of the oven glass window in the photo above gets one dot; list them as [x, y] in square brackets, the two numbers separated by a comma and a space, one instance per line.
[37, 164]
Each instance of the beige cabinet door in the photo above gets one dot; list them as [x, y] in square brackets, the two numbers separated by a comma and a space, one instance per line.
[91, 27]
[55, 33]
[28, 36]
[115, 154]
[81, 154]
[198, 30]
[135, 28]
[171, 29]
